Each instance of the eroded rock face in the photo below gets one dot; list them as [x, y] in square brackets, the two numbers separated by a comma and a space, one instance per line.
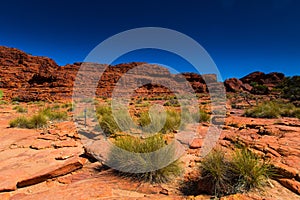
[233, 85]
[28, 78]
[259, 78]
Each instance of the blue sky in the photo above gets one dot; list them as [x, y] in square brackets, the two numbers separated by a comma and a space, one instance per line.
[241, 36]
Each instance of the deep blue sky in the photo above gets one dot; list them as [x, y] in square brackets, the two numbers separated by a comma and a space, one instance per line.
[241, 36]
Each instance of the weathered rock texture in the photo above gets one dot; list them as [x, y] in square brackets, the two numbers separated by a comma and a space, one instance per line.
[28, 78]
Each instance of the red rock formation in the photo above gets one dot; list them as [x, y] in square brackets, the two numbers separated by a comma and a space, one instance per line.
[28, 78]
[244, 84]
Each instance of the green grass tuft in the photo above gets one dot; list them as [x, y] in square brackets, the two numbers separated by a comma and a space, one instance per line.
[239, 173]
[38, 121]
[128, 163]
[273, 109]
[252, 171]
[20, 122]
[20, 109]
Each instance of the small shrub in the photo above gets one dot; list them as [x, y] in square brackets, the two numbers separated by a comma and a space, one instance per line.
[103, 110]
[172, 122]
[3, 102]
[216, 174]
[259, 89]
[108, 125]
[204, 117]
[239, 173]
[1, 94]
[39, 103]
[20, 109]
[54, 115]
[201, 116]
[56, 107]
[38, 121]
[135, 158]
[67, 105]
[143, 104]
[252, 171]
[150, 125]
[21, 122]
[272, 109]
[58, 116]
[290, 87]
[172, 102]
[16, 99]
[15, 102]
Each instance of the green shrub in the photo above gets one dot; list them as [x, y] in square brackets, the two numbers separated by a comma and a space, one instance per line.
[201, 116]
[67, 105]
[216, 174]
[239, 173]
[108, 125]
[259, 89]
[58, 116]
[272, 109]
[15, 102]
[56, 107]
[150, 125]
[21, 122]
[103, 110]
[107, 121]
[145, 164]
[38, 121]
[1, 94]
[290, 88]
[39, 103]
[54, 115]
[144, 104]
[20, 109]
[3, 102]
[172, 102]
[252, 171]
[172, 123]
[204, 117]
[16, 99]
[173, 120]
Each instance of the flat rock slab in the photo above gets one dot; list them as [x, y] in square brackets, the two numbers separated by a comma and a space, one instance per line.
[23, 167]
[104, 185]
[27, 159]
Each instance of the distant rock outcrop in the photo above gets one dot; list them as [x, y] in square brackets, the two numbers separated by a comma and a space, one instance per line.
[256, 83]
[27, 78]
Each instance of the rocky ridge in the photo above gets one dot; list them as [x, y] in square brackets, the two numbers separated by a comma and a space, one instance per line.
[30, 78]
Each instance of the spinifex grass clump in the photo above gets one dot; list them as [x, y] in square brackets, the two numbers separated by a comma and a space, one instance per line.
[20, 109]
[216, 174]
[20, 122]
[149, 123]
[252, 171]
[53, 114]
[273, 109]
[149, 159]
[107, 120]
[35, 121]
[238, 173]
[39, 120]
